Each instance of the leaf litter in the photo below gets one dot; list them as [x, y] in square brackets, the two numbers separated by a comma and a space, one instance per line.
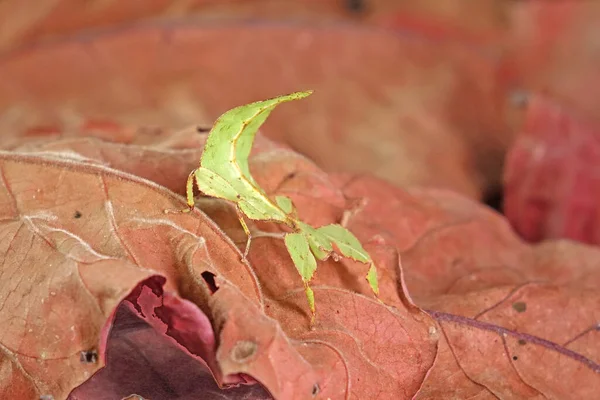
[459, 261]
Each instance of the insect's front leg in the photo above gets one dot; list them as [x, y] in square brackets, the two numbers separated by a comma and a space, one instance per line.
[246, 230]
[189, 192]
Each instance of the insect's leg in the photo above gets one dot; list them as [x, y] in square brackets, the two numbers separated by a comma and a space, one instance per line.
[189, 192]
[310, 296]
[246, 230]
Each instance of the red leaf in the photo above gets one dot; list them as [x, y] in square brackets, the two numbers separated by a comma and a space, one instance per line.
[551, 181]
[159, 353]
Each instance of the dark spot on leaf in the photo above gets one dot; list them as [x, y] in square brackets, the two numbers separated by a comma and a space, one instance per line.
[315, 390]
[202, 129]
[356, 6]
[238, 196]
[209, 279]
[520, 306]
[515, 358]
[243, 351]
[77, 214]
[88, 356]
[289, 176]
[522, 342]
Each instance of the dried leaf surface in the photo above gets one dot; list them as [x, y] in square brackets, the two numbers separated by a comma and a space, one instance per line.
[105, 231]
[410, 110]
[460, 19]
[490, 293]
[149, 354]
[553, 51]
[95, 267]
[551, 179]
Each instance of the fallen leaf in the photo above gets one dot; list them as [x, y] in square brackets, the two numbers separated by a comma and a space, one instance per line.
[553, 52]
[259, 328]
[551, 184]
[489, 291]
[407, 109]
[147, 358]
[492, 295]
[459, 19]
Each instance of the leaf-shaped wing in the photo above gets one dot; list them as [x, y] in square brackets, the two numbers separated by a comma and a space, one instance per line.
[320, 245]
[230, 140]
[350, 247]
[227, 149]
[285, 203]
[305, 263]
[213, 185]
[348, 244]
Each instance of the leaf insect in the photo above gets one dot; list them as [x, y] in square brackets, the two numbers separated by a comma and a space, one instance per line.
[224, 173]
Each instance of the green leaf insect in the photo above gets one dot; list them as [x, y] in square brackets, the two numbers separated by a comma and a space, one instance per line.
[224, 173]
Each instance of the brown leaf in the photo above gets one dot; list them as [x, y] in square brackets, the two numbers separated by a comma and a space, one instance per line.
[412, 111]
[488, 291]
[493, 296]
[89, 202]
[459, 19]
[461, 261]
[25, 25]
[78, 239]
[514, 366]
[553, 51]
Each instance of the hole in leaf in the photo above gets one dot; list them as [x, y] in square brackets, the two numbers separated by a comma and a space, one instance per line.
[46, 397]
[209, 279]
[494, 198]
[77, 214]
[88, 357]
[520, 306]
[243, 351]
[515, 358]
[315, 390]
